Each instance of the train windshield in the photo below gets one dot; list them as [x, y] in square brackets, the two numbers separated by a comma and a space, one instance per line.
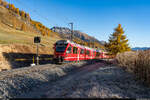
[60, 49]
[61, 46]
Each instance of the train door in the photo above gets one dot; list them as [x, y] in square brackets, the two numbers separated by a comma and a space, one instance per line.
[69, 53]
[102, 55]
[78, 54]
[97, 55]
[75, 53]
[87, 54]
[82, 54]
[93, 54]
[90, 54]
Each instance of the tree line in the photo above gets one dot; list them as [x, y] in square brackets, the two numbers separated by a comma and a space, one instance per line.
[14, 9]
[45, 31]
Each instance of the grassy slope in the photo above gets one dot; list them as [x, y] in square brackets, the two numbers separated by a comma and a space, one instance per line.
[19, 42]
[12, 36]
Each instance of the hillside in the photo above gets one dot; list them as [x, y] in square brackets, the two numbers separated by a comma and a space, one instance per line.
[18, 43]
[65, 32]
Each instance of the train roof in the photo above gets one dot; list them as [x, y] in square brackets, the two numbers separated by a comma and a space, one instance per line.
[77, 45]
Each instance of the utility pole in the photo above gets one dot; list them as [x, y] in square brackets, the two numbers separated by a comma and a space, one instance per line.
[37, 54]
[71, 31]
[94, 43]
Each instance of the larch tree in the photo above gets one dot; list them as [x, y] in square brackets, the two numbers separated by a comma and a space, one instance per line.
[17, 11]
[118, 42]
[48, 34]
[13, 7]
[0, 1]
[9, 6]
[22, 14]
[37, 26]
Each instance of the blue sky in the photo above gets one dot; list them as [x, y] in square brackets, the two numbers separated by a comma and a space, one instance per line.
[97, 18]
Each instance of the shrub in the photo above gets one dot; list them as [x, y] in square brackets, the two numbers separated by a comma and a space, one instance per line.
[127, 60]
[142, 66]
[136, 62]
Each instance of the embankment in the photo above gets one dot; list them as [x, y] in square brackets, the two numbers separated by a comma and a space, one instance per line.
[10, 52]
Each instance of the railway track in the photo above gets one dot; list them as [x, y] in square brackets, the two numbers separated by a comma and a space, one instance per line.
[27, 70]
[17, 81]
[77, 80]
[92, 81]
[73, 75]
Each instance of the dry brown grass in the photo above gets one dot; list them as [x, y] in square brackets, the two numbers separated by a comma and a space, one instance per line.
[136, 62]
[127, 60]
[17, 50]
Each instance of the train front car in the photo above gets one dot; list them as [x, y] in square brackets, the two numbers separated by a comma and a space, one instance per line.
[60, 48]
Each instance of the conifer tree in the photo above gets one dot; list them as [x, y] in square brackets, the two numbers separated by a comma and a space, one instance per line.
[0, 1]
[22, 14]
[37, 26]
[17, 11]
[117, 41]
[12, 7]
[48, 34]
[9, 5]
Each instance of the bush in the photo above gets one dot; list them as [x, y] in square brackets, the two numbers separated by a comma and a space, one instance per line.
[136, 62]
[127, 60]
[142, 66]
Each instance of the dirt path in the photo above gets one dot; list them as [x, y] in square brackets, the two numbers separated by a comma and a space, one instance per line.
[97, 80]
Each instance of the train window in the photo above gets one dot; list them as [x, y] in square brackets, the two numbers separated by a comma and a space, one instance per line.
[87, 52]
[75, 50]
[60, 47]
[82, 51]
[97, 54]
[69, 49]
[93, 53]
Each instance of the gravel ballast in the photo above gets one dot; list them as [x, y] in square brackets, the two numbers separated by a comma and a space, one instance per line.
[17, 81]
[93, 81]
[82, 80]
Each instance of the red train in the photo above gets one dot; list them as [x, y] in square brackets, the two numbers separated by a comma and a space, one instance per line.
[65, 50]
